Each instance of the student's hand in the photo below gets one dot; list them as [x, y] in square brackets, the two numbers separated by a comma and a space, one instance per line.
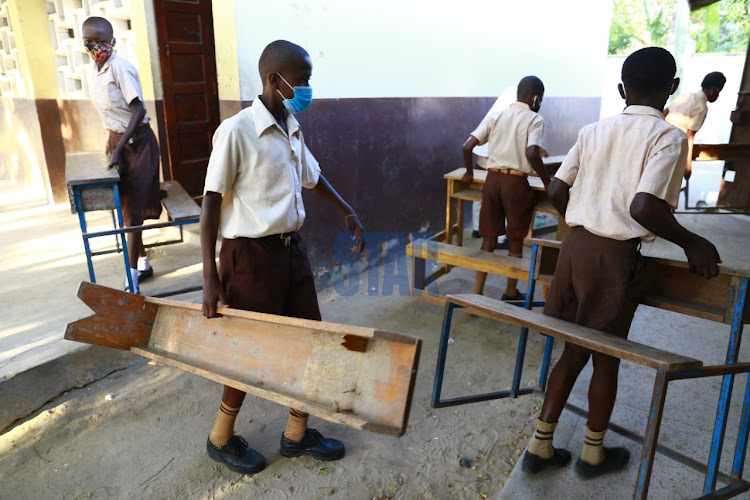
[688, 171]
[353, 225]
[468, 177]
[703, 258]
[115, 159]
[212, 293]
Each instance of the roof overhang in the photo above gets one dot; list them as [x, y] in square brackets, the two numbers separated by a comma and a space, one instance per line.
[699, 4]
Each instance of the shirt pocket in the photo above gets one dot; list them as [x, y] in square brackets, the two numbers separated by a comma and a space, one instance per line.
[115, 98]
[273, 181]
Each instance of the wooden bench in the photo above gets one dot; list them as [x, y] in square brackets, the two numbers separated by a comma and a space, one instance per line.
[355, 376]
[468, 258]
[670, 286]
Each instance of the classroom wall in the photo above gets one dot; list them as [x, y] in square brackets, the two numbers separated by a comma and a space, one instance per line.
[400, 85]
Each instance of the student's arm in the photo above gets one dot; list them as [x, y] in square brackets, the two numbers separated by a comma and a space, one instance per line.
[655, 215]
[469, 146]
[324, 189]
[535, 160]
[209, 229]
[138, 111]
[559, 194]
[689, 164]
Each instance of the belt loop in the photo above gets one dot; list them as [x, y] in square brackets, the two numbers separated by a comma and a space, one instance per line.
[286, 239]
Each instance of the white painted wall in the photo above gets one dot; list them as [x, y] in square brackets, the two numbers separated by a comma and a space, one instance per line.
[431, 48]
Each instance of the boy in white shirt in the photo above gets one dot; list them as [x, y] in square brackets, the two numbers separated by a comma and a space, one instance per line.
[615, 189]
[253, 194]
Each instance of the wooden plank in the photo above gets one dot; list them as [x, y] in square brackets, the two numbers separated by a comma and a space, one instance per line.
[178, 203]
[470, 258]
[569, 332]
[346, 374]
[711, 152]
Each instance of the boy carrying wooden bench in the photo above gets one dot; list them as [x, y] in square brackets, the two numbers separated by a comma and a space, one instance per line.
[615, 189]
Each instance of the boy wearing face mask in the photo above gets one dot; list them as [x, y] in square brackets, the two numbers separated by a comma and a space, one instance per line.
[253, 196]
[515, 138]
[115, 90]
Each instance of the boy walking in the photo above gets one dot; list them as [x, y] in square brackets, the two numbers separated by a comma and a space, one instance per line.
[116, 93]
[615, 189]
[688, 111]
[515, 138]
[253, 195]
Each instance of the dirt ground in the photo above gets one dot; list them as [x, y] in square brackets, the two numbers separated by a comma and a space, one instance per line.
[141, 432]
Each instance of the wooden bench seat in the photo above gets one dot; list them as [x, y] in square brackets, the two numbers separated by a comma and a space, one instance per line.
[178, 204]
[595, 340]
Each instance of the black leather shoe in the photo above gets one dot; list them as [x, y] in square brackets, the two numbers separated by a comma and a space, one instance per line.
[534, 463]
[144, 275]
[314, 444]
[614, 459]
[503, 246]
[475, 234]
[517, 300]
[237, 456]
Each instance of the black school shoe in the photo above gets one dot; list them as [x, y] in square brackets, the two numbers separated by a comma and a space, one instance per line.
[518, 299]
[534, 463]
[144, 275]
[314, 444]
[237, 456]
[614, 460]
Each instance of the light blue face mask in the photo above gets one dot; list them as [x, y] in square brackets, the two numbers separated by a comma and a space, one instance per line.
[301, 100]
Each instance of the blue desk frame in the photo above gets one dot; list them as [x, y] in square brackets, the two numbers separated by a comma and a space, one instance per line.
[732, 367]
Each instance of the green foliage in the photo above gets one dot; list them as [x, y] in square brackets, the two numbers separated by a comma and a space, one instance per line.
[721, 27]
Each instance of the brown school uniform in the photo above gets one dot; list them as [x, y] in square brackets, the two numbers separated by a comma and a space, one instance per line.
[506, 193]
[260, 171]
[597, 282]
[112, 88]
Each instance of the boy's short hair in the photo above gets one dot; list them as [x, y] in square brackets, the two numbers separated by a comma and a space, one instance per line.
[714, 79]
[649, 69]
[277, 55]
[529, 85]
[99, 22]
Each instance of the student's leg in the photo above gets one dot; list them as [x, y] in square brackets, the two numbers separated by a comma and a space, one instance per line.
[491, 221]
[518, 203]
[488, 245]
[302, 302]
[515, 249]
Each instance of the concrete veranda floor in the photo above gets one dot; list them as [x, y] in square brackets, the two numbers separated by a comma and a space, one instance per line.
[42, 262]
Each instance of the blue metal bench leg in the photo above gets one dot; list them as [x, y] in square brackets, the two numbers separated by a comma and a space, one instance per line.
[114, 225]
[740, 450]
[727, 382]
[125, 255]
[652, 434]
[442, 353]
[524, 335]
[82, 222]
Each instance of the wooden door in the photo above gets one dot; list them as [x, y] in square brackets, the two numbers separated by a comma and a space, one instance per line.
[191, 100]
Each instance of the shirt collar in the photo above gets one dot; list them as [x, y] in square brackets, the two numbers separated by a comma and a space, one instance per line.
[643, 110]
[106, 64]
[263, 119]
[521, 105]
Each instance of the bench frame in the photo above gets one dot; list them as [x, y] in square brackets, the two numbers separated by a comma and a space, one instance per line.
[736, 315]
[119, 230]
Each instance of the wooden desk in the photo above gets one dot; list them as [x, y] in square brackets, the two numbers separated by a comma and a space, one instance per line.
[458, 192]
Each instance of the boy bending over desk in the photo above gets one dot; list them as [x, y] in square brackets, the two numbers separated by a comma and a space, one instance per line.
[515, 146]
[253, 195]
[116, 94]
[615, 189]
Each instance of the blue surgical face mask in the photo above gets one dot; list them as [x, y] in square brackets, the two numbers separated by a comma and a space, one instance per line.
[301, 100]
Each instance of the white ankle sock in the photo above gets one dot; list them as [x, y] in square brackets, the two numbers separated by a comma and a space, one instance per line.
[143, 263]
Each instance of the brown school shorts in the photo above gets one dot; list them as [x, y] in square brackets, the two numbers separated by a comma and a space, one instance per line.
[597, 282]
[264, 275]
[506, 196]
[140, 197]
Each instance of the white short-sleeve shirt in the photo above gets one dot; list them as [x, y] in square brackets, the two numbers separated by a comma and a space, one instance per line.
[636, 151]
[508, 134]
[260, 171]
[688, 111]
[112, 89]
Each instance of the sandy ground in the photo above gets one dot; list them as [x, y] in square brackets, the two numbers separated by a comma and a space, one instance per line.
[140, 432]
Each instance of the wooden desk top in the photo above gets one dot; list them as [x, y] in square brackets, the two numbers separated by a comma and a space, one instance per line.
[480, 176]
[88, 167]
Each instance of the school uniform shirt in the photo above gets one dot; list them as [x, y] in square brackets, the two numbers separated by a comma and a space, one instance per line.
[688, 111]
[636, 151]
[260, 171]
[112, 89]
[508, 134]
